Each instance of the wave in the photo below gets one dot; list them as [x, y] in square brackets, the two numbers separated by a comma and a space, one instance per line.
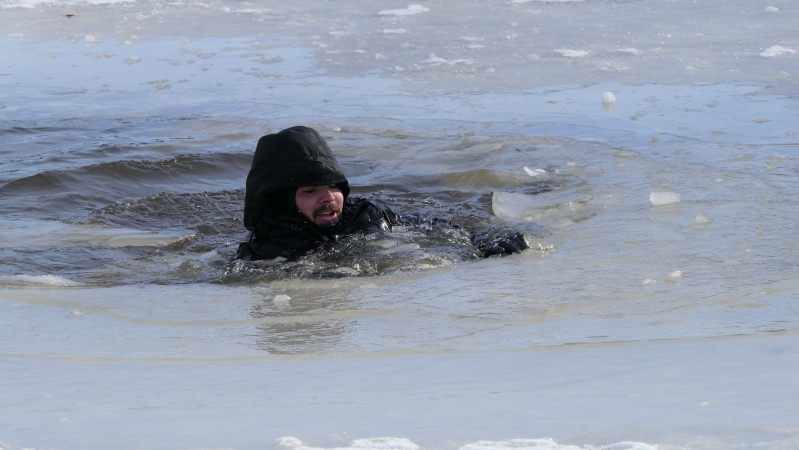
[56, 192]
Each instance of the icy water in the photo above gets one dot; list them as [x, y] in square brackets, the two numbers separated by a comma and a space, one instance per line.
[657, 307]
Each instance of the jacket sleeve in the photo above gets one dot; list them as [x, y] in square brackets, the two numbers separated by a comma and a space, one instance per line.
[490, 242]
[500, 242]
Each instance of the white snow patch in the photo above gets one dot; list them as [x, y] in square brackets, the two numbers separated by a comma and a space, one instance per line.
[544, 1]
[631, 51]
[550, 444]
[776, 50]
[410, 10]
[771, 9]
[435, 60]
[511, 444]
[571, 53]
[29, 4]
[383, 443]
[394, 31]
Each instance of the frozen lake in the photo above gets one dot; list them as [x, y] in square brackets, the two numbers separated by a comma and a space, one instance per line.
[658, 307]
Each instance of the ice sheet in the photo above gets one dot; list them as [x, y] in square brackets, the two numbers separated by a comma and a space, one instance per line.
[625, 327]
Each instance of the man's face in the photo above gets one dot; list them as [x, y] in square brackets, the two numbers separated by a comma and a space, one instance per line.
[320, 204]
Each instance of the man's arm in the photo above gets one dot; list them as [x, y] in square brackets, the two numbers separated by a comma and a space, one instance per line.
[490, 242]
[499, 242]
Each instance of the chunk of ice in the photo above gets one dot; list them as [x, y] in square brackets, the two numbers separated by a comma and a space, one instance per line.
[719, 180]
[569, 53]
[281, 299]
[648, 282]
[410, 10]
[511, 204]
[535, 173]
[551, 444]
[664, 198]
[608, 98]
[382, 443]
[629, 154]
[776, 50]
[672, 277]
[771, 9]
[702, 219]
[394, 31]
[289, 441]
[46, 280]
[435, 60]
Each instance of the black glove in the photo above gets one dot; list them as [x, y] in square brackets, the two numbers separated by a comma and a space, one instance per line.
[498, 243]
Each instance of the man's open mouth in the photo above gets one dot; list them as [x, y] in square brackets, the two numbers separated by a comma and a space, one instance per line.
[327, 214]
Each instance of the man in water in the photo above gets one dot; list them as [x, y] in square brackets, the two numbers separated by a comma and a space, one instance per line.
[297, 199]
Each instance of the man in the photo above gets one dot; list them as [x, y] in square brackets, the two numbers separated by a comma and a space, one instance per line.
[297, 199]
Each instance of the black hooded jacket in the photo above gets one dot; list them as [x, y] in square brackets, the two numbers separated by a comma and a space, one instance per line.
[284, 161]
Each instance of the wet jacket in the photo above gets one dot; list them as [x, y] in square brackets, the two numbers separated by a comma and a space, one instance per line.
[288, 235]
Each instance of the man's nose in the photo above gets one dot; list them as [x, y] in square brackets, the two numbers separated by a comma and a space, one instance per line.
[327, 195]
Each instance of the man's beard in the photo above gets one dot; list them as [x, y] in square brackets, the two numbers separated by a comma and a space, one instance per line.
[326, 208]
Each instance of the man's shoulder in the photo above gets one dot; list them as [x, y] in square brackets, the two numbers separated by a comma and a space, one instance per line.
[361, 213]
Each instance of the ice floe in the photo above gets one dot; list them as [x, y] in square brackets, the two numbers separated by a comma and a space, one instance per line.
[410, 10]
[664, 198]
[776, 50]
[569, 53]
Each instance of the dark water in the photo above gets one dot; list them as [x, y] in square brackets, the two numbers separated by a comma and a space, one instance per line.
[179, 178]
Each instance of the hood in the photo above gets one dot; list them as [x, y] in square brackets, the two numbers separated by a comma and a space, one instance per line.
[294, 157]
